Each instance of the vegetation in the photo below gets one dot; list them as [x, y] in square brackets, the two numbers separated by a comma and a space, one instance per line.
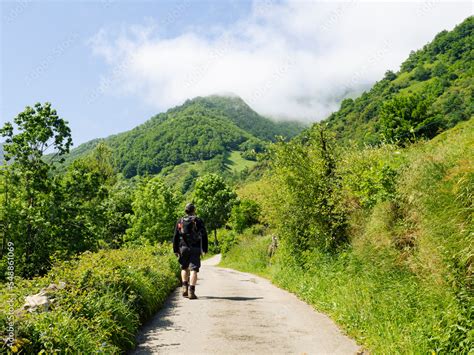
[377, 235]
[215, 200]
[200, 129]
[308, 191]
[104, 298]
[245, 213]
[435, 81]
[154, 212]
[27, 183]
[403, 283]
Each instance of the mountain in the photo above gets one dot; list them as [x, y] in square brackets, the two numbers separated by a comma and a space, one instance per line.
[440, 75]
[200, 129]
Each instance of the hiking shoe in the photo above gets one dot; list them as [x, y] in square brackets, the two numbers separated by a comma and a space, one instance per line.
[185, 291]
[192, 295]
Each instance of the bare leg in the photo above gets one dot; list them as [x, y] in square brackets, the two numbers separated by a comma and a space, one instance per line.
[185, 283]
[185, 275]
[194, 278]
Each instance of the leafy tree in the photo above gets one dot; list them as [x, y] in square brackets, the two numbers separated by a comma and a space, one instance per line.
[245, 213]
[214, 200]
[189, 180]
[390, 75]
[310, 210]
[439, 69]
[28, 182]
[119, 211]
[154, 209]
[421, 73]
[82, 194]
[404, 118]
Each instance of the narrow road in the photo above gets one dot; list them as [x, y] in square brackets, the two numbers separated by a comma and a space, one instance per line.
[239, 313]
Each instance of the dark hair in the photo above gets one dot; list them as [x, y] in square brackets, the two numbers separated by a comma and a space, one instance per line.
[190, 208]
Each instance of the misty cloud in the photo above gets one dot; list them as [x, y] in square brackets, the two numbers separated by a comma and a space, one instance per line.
[290, 60]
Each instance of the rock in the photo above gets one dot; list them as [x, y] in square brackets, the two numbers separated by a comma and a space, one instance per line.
[38, 302]
[42, 300]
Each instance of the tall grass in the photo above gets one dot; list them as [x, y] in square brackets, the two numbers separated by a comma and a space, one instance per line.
[404, 283]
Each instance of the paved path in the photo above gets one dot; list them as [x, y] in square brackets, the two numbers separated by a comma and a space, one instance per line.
[239, 313]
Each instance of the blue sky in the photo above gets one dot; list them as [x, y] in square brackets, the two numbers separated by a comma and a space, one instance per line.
[45, 57]
[107, 66]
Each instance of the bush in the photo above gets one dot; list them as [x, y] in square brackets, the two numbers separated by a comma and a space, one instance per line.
[107, 296]
[369, 175]
[245, 213]
[309, 196]
[228, 239]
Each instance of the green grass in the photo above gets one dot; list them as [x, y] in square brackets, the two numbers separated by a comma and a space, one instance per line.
[404, 285]
[237, 163]
[417, 86]
[249, 255]
[107, 296]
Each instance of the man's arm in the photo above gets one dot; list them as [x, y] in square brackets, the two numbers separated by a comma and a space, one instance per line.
[176, 240]
[204, 238]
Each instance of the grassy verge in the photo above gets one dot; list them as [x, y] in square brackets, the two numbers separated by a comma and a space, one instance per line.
[107, 295]
[387, 309]
[404, 285]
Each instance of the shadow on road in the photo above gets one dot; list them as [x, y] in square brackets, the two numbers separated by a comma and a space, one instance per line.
[230, 298]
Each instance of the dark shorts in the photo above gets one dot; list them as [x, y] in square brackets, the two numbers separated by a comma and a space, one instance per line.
[190, 258]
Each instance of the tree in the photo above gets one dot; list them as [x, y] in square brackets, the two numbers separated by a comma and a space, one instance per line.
[154, 208]
[118, 207]
[29, 183]
[404, 118]
[390, 75]
[188, 182]
[308, 194]
[245, 213]
[421, 73]
[214, 200]
[82, 194]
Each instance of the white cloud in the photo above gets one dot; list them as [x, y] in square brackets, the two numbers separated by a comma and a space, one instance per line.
[294, 60]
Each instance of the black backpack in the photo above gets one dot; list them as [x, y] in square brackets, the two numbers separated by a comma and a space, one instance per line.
[189, 231]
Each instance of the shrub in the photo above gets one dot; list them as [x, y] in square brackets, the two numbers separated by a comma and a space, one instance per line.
[309, 193]
[245, 213]
[106, 297]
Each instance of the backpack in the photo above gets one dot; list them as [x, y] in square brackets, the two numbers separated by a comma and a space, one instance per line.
[189, 231]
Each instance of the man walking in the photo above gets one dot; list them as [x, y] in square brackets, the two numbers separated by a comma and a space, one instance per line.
[189, 243]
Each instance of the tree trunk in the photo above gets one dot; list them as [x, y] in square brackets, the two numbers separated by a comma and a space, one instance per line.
[216, 242]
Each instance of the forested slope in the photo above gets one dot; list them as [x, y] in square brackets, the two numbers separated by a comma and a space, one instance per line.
[200, 129]
[436, 80]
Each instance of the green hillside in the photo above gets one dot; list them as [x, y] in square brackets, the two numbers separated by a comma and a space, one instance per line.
[370, 224]
[244, 117]
[437, 80]
[200, 129]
